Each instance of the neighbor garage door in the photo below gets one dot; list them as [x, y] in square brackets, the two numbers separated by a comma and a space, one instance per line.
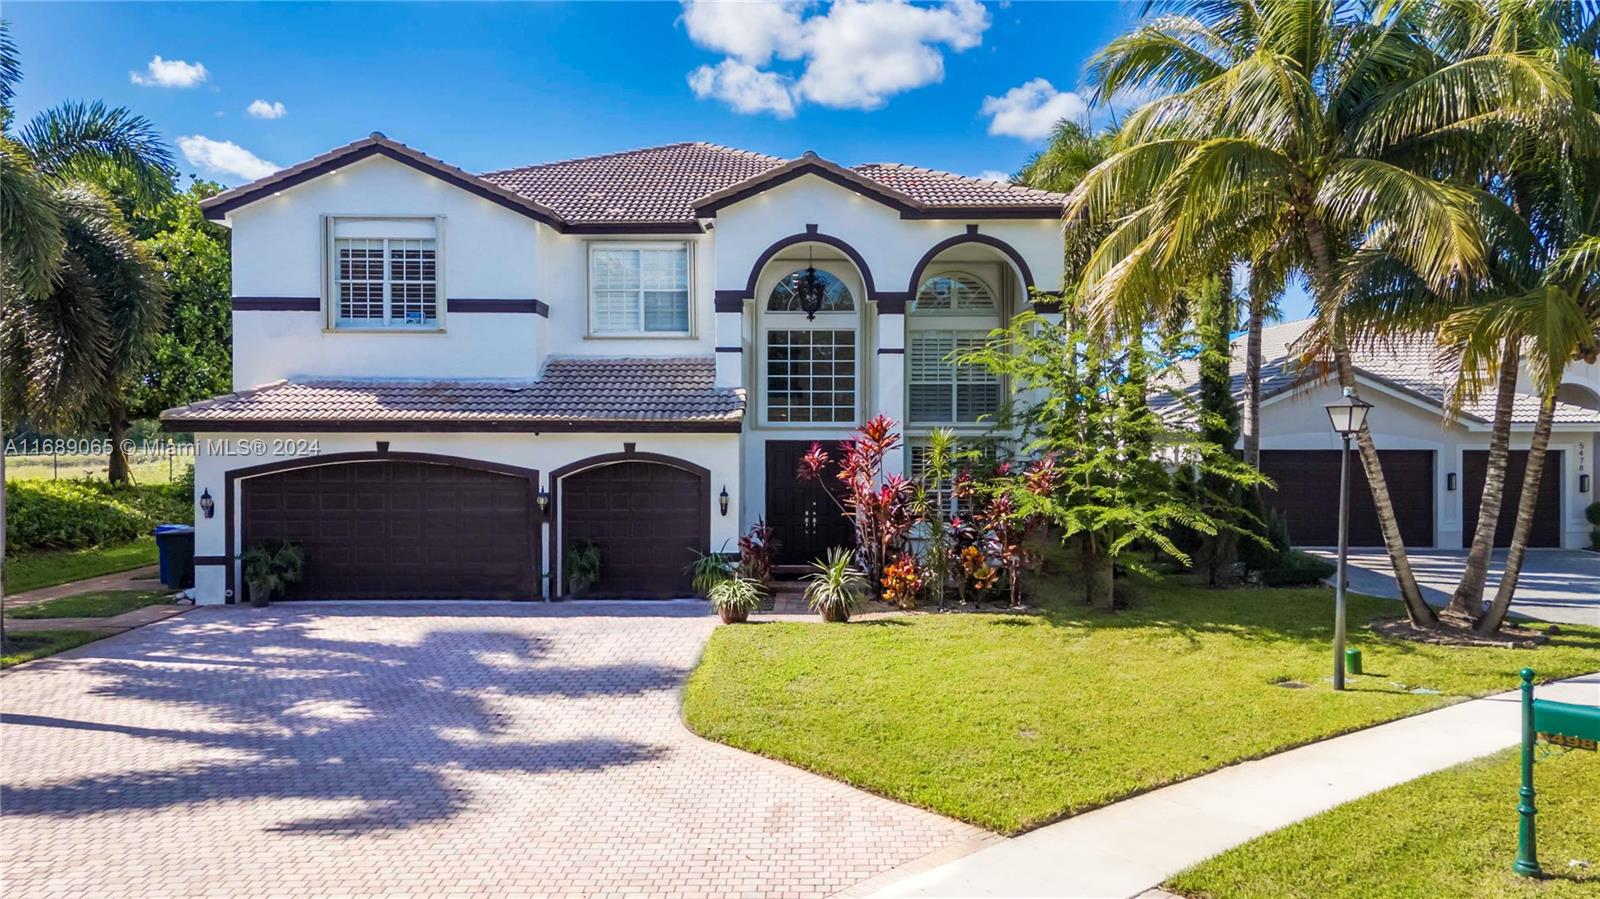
[400, 529]
[1546, 515]
[650, 520]
[1307, 495]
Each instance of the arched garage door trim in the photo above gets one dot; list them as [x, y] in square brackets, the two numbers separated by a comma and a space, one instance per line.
[558, 560]
[230, 510]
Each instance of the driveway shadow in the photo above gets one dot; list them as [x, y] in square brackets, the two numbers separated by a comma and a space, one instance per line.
[362, 716]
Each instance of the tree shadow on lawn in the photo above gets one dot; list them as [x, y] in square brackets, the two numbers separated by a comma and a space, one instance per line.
[321, 718]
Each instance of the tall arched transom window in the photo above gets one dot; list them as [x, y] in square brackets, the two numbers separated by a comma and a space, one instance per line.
[811, 370]
[952, 313]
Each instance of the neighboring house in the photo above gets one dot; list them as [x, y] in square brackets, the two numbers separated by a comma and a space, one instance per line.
[445, 380]
[1434, 464]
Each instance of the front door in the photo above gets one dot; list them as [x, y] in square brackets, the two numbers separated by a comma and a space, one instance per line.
[806, 521]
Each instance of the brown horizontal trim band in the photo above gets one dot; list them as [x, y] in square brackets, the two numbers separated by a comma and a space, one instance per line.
[277, 304]
[730, 349]
[891, 303]
[371, 426]
[891, 351]
[634, 228]
[211, 560]
[985, 212]
[729, 301]
[465, 304]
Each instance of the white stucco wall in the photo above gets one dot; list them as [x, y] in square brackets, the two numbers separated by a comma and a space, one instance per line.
[489, 253]
[1299, 421]
[217, 454]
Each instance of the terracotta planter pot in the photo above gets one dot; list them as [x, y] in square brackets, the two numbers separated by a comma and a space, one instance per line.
[732, 615]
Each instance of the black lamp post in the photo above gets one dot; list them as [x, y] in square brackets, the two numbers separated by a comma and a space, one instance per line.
[1348, 416]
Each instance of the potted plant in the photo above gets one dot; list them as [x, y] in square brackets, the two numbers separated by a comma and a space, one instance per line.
[583, 566]
[268, 570]
[708, 570]
[734, 597]
[836, 587]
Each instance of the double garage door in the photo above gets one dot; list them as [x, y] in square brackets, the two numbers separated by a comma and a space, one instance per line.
[1307, 495]
[443, 529]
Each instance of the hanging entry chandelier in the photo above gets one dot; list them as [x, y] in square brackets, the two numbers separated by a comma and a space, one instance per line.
[808, 289]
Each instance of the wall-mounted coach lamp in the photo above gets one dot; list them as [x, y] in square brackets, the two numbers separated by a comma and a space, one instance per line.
[1583, 483]
[1450, 481]
[722, 501]
[544, 501]
[208, 506]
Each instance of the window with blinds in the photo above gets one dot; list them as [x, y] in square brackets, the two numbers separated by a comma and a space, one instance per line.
[639, 290]
[811, 375]
[943, 391]
[384, 273]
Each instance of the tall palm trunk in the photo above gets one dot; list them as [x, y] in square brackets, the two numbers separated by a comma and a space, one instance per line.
[1468, 598]
[1251, 425]
[118, 471]
[1417, 609]
[1496, 613]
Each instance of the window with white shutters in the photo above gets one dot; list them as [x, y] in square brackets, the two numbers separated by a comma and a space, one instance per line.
[952, 314]
[384, 273]
[639, 290]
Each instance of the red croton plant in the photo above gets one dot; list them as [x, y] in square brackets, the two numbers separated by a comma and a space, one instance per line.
[878, 505]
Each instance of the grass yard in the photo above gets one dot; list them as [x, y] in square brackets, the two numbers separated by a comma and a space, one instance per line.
[98, 604]
[1011, 721]
[1450, 834]
[46, 569]
[25, 647]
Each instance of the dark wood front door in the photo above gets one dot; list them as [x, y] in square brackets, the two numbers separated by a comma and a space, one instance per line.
[805, 520]
[650, 519]
[1546, 529]
[400, 530]
[1307, 495]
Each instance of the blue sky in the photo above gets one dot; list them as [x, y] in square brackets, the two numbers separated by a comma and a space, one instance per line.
[954, 86]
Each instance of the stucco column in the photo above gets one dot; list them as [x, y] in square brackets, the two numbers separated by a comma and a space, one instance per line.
[889, 385]
[730, 345]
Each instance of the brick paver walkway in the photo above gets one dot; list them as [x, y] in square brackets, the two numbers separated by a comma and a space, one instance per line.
[479, 749]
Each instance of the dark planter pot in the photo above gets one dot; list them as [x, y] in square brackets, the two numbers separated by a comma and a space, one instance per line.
[732, 615]
[837, 616]
[258, 599]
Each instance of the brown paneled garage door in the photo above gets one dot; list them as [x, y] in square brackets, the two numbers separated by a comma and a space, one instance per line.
[1546, 514]
[648, 518]
[400, 529]
[1307, 495]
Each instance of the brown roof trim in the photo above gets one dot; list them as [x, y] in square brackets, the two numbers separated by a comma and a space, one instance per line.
[986, 212]
[379, 426]
[633, 228]
[216, 208]
[808, 164]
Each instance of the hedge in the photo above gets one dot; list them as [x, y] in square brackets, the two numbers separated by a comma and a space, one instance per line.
[42, 515]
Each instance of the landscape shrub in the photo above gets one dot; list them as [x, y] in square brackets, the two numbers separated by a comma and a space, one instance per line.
[1296, 569]
[42, 515]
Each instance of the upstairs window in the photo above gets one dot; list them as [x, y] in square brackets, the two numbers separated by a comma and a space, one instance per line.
[957, 293]
[385, 274]
[835, 295]
[952, 314]
[639, 290]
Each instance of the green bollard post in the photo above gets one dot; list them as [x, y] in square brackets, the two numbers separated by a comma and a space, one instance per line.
[1352, 661]
[1527, 852]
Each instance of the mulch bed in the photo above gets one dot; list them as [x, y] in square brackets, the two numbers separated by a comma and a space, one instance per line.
[1450, 632]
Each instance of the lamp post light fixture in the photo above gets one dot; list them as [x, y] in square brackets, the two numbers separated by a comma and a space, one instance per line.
[1348, 416]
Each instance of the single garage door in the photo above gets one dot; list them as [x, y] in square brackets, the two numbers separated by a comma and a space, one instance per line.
[1546, 513]
[649, 519]
[1307, 495]
[400, 529]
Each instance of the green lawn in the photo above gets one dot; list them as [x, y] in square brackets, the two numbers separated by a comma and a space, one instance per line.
[1010, 722]
[98, 604]
[25, 647]
[151, 469]
[46, 569]
[1450, 834]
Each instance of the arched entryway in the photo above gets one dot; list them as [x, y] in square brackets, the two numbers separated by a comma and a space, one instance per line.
[649, 515]
[401, 526]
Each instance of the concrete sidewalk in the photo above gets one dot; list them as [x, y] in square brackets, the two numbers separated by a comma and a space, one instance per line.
[125, 621]
[1133, 846]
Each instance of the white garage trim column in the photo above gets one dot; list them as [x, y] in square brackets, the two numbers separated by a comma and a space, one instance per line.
[890, 378]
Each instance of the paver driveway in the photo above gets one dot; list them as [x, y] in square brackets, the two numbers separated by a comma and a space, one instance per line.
[483, 749]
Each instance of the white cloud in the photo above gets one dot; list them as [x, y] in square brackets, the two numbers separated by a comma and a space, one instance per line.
[262, 109]
[856, 54]
[1031, 110]
[223, 157]
[744, 87]
[992, 175]
[169, 73]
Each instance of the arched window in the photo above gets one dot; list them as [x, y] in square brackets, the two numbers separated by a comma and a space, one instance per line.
[955, 292]
[953, 313]
[835, 295]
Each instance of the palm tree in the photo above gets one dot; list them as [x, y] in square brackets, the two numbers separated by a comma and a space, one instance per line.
[83, 301]
[1297, 123]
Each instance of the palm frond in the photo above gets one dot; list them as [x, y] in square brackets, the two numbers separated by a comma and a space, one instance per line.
[81, 141]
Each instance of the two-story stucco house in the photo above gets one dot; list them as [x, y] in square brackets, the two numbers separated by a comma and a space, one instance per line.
[445, 380]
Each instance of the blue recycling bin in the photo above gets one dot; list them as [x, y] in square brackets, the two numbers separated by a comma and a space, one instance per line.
[175, 545]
